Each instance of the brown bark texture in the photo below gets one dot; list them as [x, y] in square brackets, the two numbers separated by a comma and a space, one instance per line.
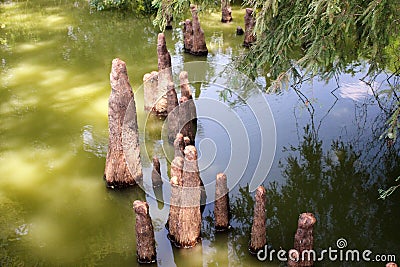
[226, 11]
[221, 205]
[146, 246]
[156, 173]
[193, 35]
[187, 118]
[179, 145]
[184, 85]
[173, 113]
[189, 223]
[249, 23]
[303, 240]
[258, 229]
[117, 171]
[150, 88]
[187, 36]
[164, 74]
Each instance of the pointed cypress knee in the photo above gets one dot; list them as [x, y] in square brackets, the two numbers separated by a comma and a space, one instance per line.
[164, 74]
[117, 172]
[179, 145]
[199, 47]
[187, 118]
[303, 240]
[226, 11]
[150, 88]
[173, 113]
[184, 85]
[187, 36]
[145, 243]
[156, 173]
[258, 229]
[221, 206]
[249, 23]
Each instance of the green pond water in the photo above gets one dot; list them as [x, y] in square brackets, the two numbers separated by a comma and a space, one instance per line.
[54, 205]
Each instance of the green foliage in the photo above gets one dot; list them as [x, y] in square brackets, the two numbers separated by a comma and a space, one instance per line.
[136, 6]
[321, 36]
[385, 193]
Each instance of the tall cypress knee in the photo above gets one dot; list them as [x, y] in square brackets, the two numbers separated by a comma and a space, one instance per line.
[117, 172]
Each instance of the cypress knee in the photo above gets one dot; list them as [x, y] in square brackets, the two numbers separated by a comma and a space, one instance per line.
[226, 11]
[187, 36]
[173, 112]
[221, 206]
[164, 74]
[303, 240]
[150, 88]
[117, 172]
[174, 209]
[187, 118]
[258, 229]
[146, 246]
[184, 85]
[190, 215]
[249, 23]
[199, 47]
[179, 145]
[156, 173]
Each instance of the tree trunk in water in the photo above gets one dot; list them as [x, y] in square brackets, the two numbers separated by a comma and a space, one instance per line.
[303, 240]
[117, 171]
[146, 246]
[226, 11]
[221, 206]
[249, 23]
[258, 229]
[156, 173]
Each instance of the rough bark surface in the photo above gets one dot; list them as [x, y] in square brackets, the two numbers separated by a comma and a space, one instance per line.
[150, 87]
[249, 23]
[174, 209]
[221, 206]
[189, 214]
[303, 239]
[146, 246]
[179, 145]
[226, 11]
[187, 36]
[187, 119]
[184, 85]
[199, 41]
[193, 35]
[164, 74]
[156, 173]
[258, 229]
[173, 113]
[117, 172]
